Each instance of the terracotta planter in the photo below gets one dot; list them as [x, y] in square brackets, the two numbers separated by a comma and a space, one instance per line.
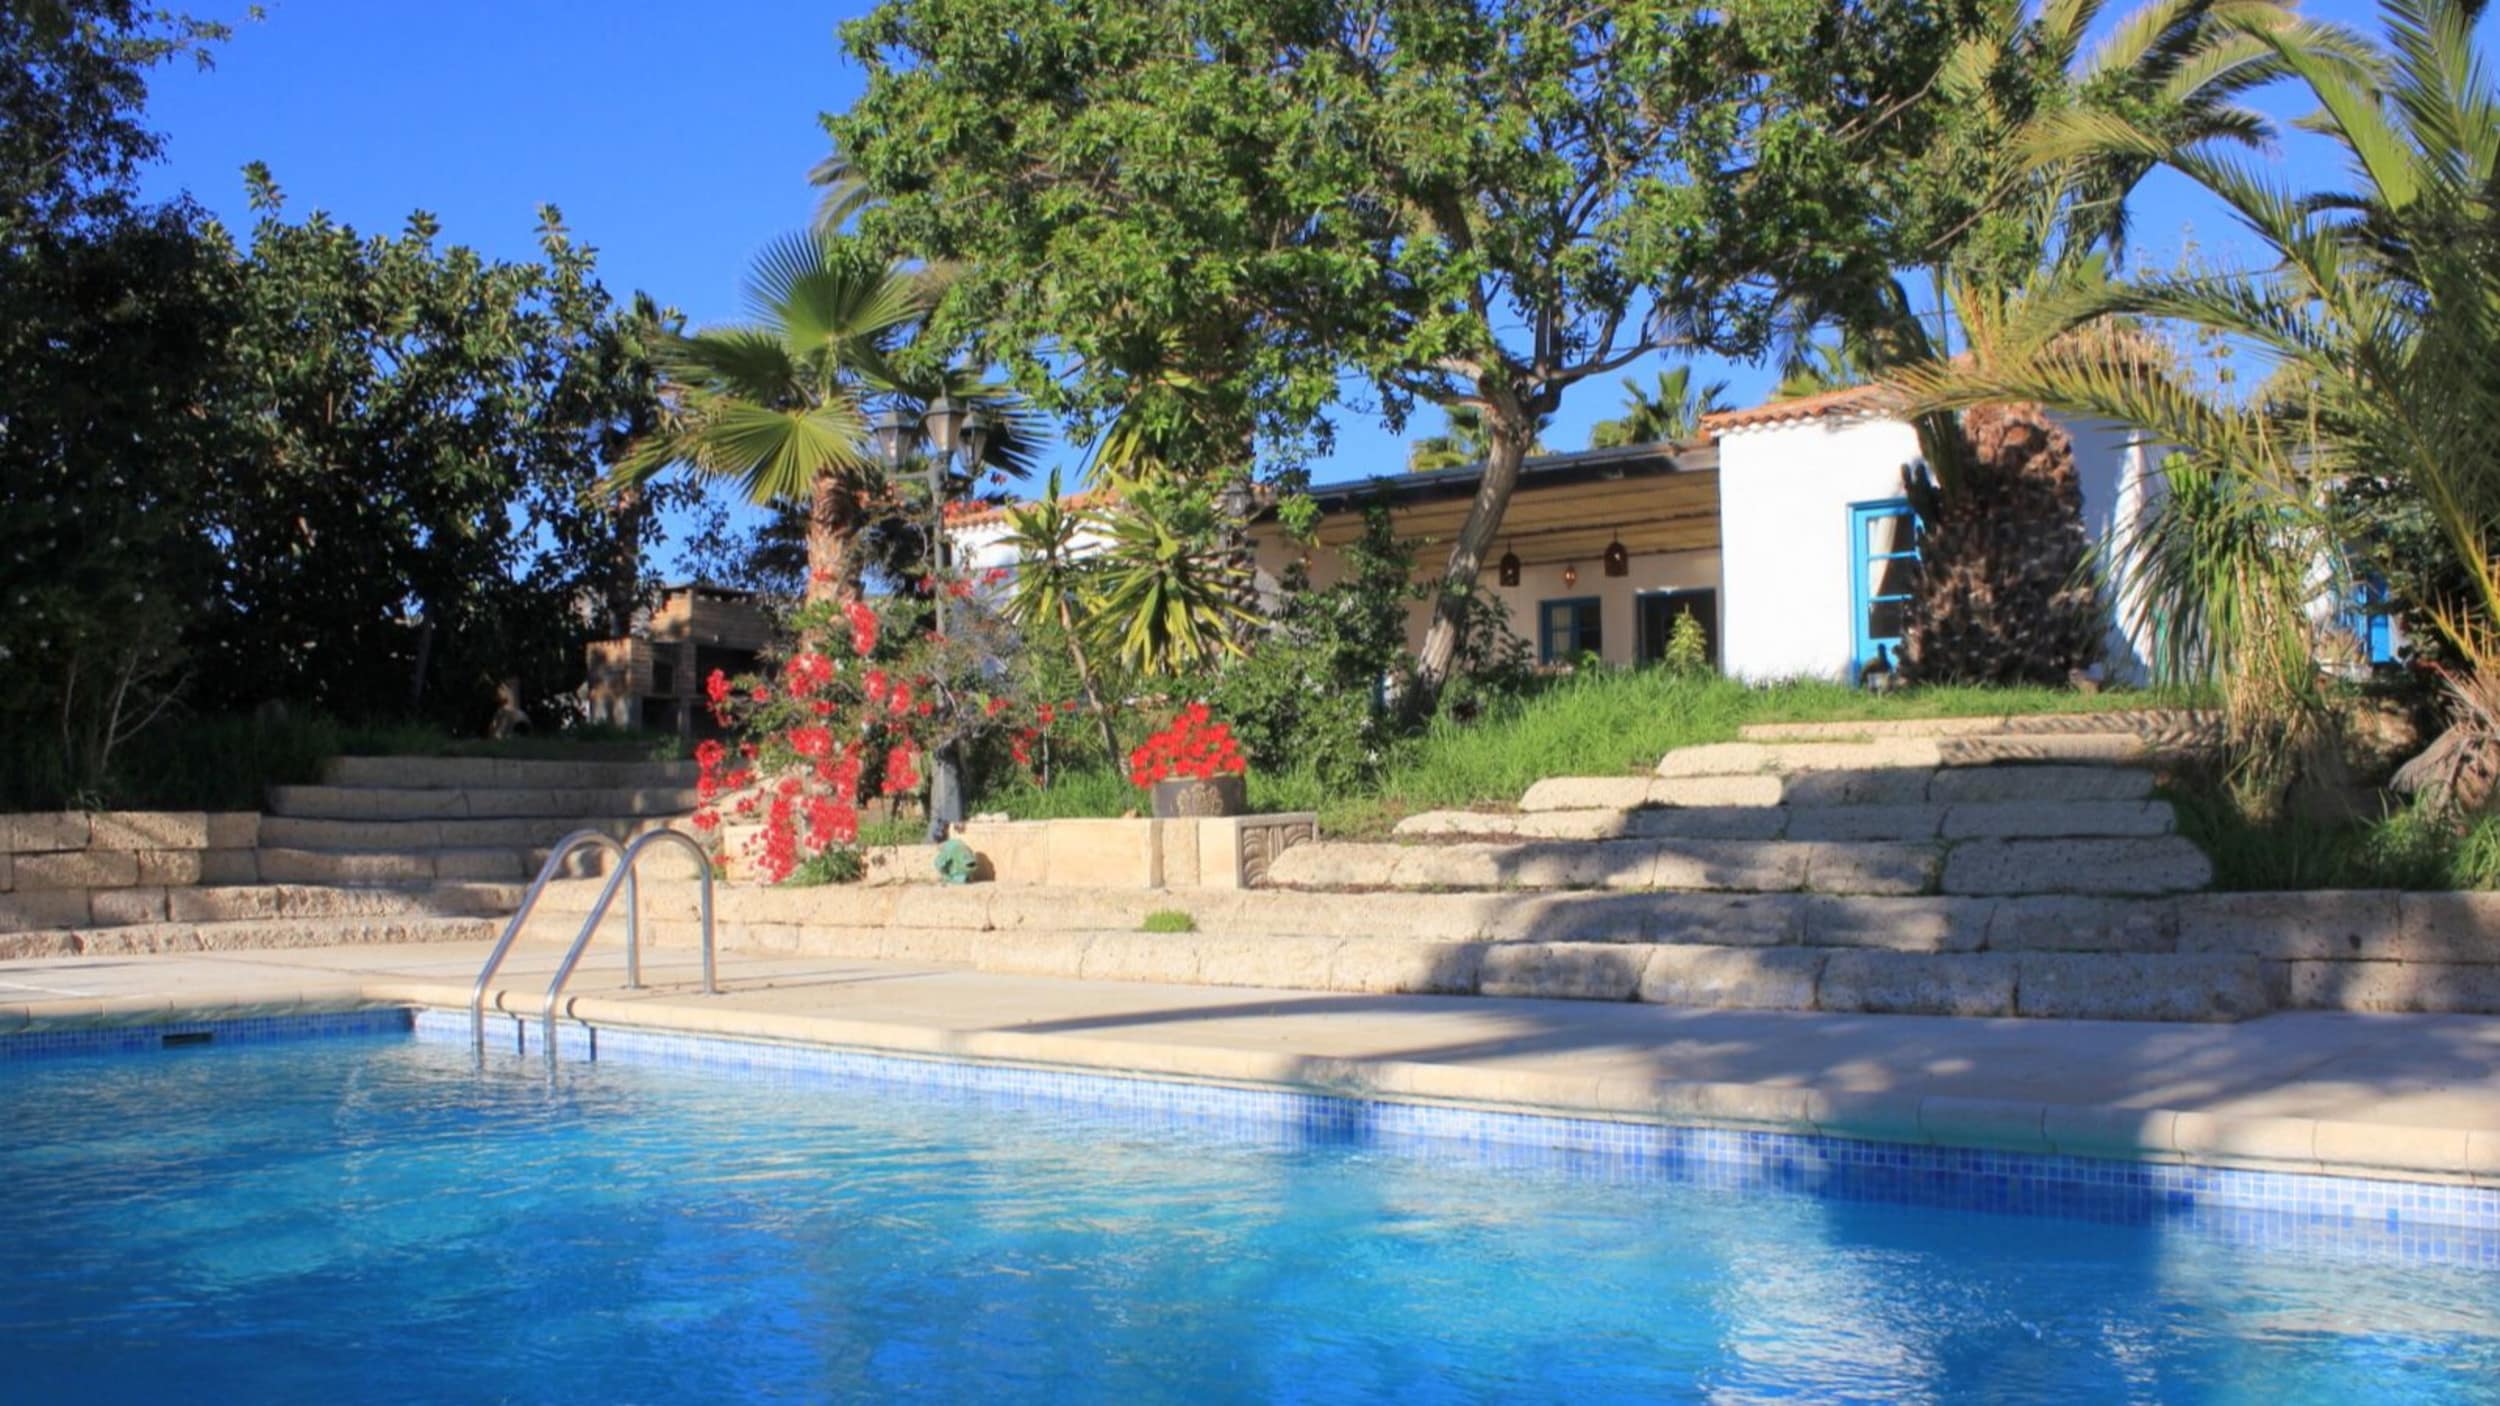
[1189, 798]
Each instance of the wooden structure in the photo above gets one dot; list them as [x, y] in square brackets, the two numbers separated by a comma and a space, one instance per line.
[652, 681]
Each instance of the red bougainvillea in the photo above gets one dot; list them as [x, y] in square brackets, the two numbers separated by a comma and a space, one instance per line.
[1194, 747]
[825, 728]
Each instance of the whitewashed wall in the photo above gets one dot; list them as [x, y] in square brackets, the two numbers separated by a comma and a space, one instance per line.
[2121, 479]
[1784, 496]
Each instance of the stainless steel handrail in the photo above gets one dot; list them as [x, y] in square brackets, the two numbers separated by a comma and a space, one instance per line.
[599, 909]
[529, 901]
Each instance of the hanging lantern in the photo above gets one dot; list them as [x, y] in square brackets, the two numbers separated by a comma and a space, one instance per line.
[1571, 577]
[1618, 561]
[1509, 567]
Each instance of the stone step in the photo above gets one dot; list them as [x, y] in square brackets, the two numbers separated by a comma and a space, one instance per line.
[487, 773]
[2163, 723]
[1916, 822]
[247, 934]
[1910, 753]
[223, 903]
[2156, 864]
[297, 832]
[449, 863]
[453, 803]
[1862, 786]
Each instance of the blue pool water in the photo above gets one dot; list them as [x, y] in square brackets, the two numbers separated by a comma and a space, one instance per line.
[375, 1220]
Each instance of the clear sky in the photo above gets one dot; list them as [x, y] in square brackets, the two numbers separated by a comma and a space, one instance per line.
[674, 137]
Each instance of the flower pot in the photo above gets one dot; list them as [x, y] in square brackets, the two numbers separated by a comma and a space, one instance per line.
[1196, 798]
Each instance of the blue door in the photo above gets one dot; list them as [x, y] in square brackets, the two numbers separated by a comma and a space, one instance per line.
[1883, 541]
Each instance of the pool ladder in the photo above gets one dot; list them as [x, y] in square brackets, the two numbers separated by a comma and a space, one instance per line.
[627, 856]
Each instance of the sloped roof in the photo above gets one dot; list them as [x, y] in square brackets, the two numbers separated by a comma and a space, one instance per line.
[1848, 400]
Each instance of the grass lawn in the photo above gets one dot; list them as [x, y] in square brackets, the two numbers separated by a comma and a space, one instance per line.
[1614, 722]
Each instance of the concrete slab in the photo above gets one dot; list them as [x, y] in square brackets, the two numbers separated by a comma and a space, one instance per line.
[2260, 1092]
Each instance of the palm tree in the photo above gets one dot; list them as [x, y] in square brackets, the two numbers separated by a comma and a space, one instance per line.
[1462, 441]
[2380, 315]
[1054, 583]
[776, 402]
[1667, 413]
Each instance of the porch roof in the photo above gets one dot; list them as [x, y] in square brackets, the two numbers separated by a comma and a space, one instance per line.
[1567, 508]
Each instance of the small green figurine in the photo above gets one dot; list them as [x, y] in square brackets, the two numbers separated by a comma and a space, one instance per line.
[956, 861]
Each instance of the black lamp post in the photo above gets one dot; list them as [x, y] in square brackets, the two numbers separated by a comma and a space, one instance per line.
[950, 427]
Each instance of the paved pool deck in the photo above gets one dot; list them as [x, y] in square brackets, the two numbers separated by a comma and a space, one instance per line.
[2409, 1097]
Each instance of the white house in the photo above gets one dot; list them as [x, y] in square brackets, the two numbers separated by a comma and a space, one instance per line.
[1782, 529]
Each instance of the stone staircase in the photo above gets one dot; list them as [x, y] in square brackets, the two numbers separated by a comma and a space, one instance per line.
[417, 820]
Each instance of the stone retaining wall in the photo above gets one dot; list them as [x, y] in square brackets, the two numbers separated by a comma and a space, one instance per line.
[2197, 957]
[61, 869]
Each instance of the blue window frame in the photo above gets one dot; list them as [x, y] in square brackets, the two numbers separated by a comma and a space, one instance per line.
[2365, 614]
[1883, 543]
[1568, 628]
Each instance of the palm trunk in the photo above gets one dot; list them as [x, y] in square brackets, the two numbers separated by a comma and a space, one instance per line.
[1507, 449]
[1085, 681]
[830, 527]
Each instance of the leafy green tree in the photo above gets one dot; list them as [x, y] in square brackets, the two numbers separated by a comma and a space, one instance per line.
[73, 86]
[1668, 411]
[1472, 205]
[1462, 441]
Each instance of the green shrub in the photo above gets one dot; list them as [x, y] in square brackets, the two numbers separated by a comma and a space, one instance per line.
[837, 865]
[1688, 648]
[1169, 920]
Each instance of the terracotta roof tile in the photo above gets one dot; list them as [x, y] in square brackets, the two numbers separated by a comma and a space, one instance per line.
[1848, 400]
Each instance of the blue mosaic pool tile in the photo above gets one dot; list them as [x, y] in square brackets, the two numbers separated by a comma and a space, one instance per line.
[251, 1030]
[2415, 1220]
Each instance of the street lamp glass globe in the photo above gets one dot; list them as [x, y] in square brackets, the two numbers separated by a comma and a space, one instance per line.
[944, 420]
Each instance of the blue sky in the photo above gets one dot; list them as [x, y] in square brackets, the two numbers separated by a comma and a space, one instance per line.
[674, 137]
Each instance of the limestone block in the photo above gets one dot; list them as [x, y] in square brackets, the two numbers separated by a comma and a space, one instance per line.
[2324, 925]
[148, 829]
[43, 830]
[1569, 917]
[1293, 963]
[2064, 923]
[1869, 729]
[1864, 822]
[2056, 819]
[499, 862]
[1871, 868]
[1749, 822]
[1897, 924]
[1789, 758]
[2430, 987]
[8, 871]
[1074, 910]
[944, 906]
[1908, 983]
[229, 866]
[944, 947]
[76, 869]
[1434, 867]
[888, 865]
[1406, 966]
[18, 946]
[1140, 956]
[233, 829]
[2055, 784]
[1586, 793]
[1012, 851]
[1177, 849]
[1238, 852]
[2432, 927]
[2169, 864]
[823, 906]
[179, 868]
[32, 910]
[1731, 978]
[2117, 986]
[1334, 865]
[2080, 748]
[1884, 786]
[1570, 971]
[1730, 866]
[1567, 864]
[1693, 792]
[1032, 953]
[130, 905]
[1726, 919]
[1102, 854]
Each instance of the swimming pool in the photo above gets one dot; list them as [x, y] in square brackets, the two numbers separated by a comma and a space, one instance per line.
[374, 1219]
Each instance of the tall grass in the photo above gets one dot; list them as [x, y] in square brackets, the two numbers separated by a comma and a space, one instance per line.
[1604, 722]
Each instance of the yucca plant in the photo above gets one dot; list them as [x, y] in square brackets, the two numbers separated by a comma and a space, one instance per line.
[1170, 598]
[1055, 582]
